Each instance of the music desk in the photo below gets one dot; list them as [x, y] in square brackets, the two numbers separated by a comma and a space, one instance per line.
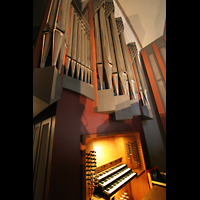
[156, 193]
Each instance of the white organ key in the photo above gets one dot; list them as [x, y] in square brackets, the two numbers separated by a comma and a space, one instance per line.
[106, 173]
[119, 183]
[114, 177]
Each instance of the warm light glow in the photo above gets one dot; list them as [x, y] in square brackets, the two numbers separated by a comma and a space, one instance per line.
[98, 149]
[106, 149]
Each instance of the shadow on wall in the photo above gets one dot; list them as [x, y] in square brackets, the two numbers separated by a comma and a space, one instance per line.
[66, 148]
[160, 19]
[136, 23]
[83, 120]
[110, 125]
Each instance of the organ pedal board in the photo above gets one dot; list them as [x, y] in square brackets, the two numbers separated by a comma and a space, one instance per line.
[113, 179]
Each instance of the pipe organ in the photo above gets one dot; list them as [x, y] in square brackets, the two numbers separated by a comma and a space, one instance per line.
[74, 44]
[112, 164]
[119, 77]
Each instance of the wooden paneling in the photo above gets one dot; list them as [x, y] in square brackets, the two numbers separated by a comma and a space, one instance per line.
[41, 162]
[139, 186]
[159, 59]
[36, 142]
[52, 129]
[42, 153]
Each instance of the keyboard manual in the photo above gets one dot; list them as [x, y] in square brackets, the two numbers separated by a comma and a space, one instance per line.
[113, 179]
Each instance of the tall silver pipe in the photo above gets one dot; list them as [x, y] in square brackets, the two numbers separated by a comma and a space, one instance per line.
[47, 32]
[129, 69]
[142, 80]
[113, 61]
[115, 81]
[88, 58]
[88, 52]
[105, 47]
[100, 73]
[64, 41]
[78, 55]
[82, 51]
[85, 55]
[118, 53]
[74, 44]
[98, 50]
[59, 30]
[69, 48]
[138, 71]
[91, 63]
[109, 8]
[138, 81]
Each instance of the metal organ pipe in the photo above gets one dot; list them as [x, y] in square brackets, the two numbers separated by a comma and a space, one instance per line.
[64, 41]
[47, 32]
[138, 80]
[142, 81]
[114, 69]
[88, 58]
[118, 53]
[85, 55]
[78, 55]
[128, 67]
[82, 52]
[74, 44]
[105, 47]
[134, 58]
[68, 60]
[59, 29]
[98, 50]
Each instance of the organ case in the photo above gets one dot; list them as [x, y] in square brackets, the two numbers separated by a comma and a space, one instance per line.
[119, 165]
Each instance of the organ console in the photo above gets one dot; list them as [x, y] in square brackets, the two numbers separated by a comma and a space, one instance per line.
[111, 163]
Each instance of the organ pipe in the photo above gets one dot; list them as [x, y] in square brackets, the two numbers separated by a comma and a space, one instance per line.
[68, 60]
[128, 67]
[47, 32]
[105, 47]
[119, 56]
[59, 29]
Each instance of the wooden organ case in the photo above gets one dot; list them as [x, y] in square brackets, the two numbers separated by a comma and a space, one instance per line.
[113, 167]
